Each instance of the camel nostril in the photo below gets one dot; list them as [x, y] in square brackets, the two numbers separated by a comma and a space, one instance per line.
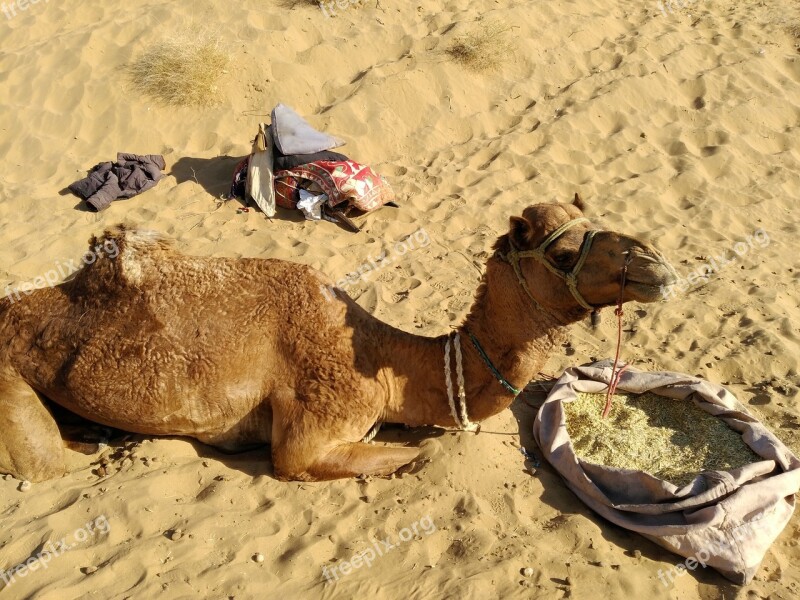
[649, 266]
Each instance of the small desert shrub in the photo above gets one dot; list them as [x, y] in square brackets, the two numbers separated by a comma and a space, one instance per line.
[329, 6]
[483, 49]
[794, 34]
[295, 3]
[182, 70]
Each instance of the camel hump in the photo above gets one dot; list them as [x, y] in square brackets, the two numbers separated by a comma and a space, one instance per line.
[125, 253]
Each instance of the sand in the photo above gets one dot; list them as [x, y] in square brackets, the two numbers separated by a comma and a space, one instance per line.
[677, 126]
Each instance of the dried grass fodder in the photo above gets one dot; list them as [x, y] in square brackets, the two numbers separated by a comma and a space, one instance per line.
[182, 70]
[483, 49]
[669, 439]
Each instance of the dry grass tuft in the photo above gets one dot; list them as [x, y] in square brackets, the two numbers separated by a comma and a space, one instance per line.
[794, 33]
[295, 3]
[670, 439]
[482, 49]
[328, 7]
[182, 70]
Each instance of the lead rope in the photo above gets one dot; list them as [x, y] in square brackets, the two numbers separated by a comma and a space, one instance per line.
[448, 380]
[459, 412]
[462, 394]
[372, 433]
[616, 375]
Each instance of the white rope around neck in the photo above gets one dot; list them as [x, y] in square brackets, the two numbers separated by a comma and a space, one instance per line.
[457, 409]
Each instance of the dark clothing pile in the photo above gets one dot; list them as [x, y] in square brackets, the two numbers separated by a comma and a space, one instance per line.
[291, 161]
[129, 176]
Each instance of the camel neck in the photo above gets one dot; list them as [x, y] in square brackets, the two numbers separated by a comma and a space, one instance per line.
[515, 358]
[516, 338]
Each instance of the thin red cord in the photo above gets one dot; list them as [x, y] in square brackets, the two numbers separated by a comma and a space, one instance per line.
[616, 375]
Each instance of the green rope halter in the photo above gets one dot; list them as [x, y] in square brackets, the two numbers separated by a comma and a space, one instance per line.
[571, 277]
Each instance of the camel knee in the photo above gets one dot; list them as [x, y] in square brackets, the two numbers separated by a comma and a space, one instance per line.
[291, 465]
[35, 469]
[283, 471]
[34, 454]
[30, 441]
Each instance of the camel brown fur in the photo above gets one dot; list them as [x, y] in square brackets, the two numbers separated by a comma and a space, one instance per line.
[244, 352]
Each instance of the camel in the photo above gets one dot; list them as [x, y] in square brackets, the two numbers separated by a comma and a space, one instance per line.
[239, 353]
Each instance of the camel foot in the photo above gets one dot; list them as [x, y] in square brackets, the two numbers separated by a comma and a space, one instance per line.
[348, 460]
[30, 443]
[87, 448]
[428, 450]
[79, 434]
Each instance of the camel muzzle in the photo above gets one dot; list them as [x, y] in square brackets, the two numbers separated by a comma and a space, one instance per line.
[649, 273]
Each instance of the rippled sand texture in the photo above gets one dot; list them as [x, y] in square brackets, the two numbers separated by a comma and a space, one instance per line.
[678, 127]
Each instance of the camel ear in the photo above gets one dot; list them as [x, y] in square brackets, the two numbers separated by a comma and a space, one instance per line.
[579, 203]
[520, 232]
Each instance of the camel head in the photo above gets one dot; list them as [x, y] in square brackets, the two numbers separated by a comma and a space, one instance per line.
[570, 268]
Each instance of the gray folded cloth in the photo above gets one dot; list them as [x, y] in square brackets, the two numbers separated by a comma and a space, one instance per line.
[130, 175]
[293, 135]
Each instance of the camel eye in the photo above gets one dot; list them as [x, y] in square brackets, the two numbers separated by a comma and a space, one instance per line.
[563, 259]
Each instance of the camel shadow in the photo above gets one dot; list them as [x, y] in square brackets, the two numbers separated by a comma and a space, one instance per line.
[524, 409]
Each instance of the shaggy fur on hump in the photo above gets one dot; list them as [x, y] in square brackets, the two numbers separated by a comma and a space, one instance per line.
[123, 255]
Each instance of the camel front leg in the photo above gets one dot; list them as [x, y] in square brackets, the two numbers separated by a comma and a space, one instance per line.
[30, 442]
[350, 459]
[309, 447]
